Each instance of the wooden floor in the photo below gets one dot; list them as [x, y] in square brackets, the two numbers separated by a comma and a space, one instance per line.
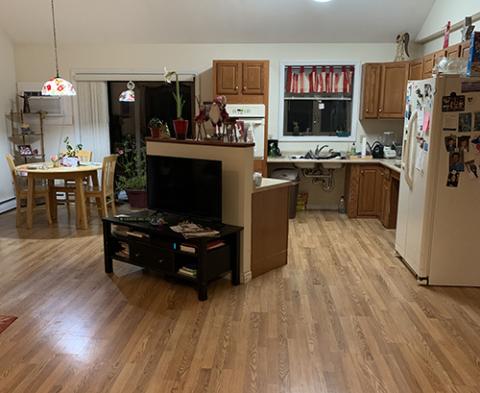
[343, 316]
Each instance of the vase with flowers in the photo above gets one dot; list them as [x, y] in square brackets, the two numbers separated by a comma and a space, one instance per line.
[180, 125]
[70, 157]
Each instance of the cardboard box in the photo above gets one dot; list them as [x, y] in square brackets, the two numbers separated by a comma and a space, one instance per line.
[473, 66]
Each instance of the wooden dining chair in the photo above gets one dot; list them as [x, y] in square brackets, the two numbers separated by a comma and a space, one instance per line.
[21, 192]
[105, 193]
[83, 156]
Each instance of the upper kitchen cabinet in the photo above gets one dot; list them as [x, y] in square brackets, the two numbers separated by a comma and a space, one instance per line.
[383, 90]
[465, 49]
[253, 77]
[453, 52]
[242, 82]
[416, 70]
[227, 77]
[392, 90]
[429, 62]
[371, 76]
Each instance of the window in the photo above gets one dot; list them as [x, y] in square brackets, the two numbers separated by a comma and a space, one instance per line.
[318, 102]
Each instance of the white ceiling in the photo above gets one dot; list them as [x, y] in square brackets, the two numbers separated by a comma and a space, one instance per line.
[212, 21]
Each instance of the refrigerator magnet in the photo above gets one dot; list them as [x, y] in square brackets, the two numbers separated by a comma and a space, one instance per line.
[472, 169]
[476, 121]
[450, 122]
[452, 179]
[470, 87]
[451, 143]
[464, 143]
[456, 161]
[476, 142]
[453, 103]
[465, 122]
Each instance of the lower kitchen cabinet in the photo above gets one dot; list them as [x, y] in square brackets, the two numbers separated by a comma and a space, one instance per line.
[372, 192]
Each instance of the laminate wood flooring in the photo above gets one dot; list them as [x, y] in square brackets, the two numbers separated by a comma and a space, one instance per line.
[343, 316]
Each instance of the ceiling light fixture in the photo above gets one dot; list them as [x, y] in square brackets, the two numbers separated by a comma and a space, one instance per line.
[129, 94]
[322, 1]
[57, 86]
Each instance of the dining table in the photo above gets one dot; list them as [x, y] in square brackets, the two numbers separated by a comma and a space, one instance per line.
[49, 172]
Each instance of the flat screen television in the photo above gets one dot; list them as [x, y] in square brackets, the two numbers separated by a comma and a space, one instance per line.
[184, 186]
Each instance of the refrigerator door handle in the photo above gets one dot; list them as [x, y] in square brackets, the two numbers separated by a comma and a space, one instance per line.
[407, 164]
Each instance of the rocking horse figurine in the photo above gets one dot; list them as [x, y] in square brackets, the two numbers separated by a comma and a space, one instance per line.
[200, 120]
[218, 116]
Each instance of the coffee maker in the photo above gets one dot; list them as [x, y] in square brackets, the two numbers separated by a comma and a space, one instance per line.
[273, 149]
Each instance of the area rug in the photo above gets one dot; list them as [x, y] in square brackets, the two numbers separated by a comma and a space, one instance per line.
[6, 321]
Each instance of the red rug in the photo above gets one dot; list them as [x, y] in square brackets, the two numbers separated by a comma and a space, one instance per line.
[6, 321]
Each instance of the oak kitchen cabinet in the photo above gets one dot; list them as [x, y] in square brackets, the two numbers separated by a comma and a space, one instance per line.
[241, 81]
[383, 90]
[416, 70]
[372, 192]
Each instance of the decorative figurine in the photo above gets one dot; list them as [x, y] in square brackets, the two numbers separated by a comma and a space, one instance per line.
[26, 103]
[200, 120]
[402, 41]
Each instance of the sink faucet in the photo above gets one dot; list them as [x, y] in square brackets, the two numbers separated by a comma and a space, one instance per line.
[318, 150]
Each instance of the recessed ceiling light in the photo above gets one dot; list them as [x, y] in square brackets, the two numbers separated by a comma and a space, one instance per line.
[322, 1]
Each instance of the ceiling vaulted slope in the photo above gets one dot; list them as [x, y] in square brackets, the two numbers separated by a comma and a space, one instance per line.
[212, 21]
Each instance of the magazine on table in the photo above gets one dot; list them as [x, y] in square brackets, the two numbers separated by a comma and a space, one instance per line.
[190, 230]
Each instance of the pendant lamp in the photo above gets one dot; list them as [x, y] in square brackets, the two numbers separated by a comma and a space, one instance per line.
[129, 94]
[57, 86]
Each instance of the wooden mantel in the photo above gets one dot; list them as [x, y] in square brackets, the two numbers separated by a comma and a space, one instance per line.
[210, 142]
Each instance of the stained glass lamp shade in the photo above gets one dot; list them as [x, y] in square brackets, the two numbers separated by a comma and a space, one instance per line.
[129, 94]
[57, 86]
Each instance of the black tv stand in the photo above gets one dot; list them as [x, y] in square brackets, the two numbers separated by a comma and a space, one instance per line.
[158, 248]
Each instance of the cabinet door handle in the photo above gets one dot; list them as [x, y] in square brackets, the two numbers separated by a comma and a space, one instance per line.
[366, 110]
[362, 172]
[380, 110]
[160, 261]
[236, 87]
[244, 88]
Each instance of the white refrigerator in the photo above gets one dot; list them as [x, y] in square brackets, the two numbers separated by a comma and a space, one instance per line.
[438, 226]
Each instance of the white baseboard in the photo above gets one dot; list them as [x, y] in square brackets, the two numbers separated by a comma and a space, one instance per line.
[7, 205]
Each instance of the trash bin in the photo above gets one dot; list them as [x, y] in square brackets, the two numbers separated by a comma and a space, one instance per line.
[292, 175]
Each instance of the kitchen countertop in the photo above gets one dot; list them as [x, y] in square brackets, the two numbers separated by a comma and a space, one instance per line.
[269, 183]
[388, 163]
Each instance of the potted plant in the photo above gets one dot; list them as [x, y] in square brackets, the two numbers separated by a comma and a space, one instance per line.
[180, 125]
[70, 157]
[132, 177]
[158, 129]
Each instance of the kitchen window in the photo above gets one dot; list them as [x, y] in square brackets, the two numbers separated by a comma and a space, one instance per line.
[319, 101]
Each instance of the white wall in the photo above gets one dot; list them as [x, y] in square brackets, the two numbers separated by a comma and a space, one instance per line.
[198, 58]
[7, 94]
[442, 12]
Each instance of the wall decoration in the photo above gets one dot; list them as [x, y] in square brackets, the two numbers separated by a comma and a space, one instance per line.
[451, 143]
[453, 103]
[456, 161]
[401, 53]
[452, 180]
[476, 122]
[464, 143]
[465, 122]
